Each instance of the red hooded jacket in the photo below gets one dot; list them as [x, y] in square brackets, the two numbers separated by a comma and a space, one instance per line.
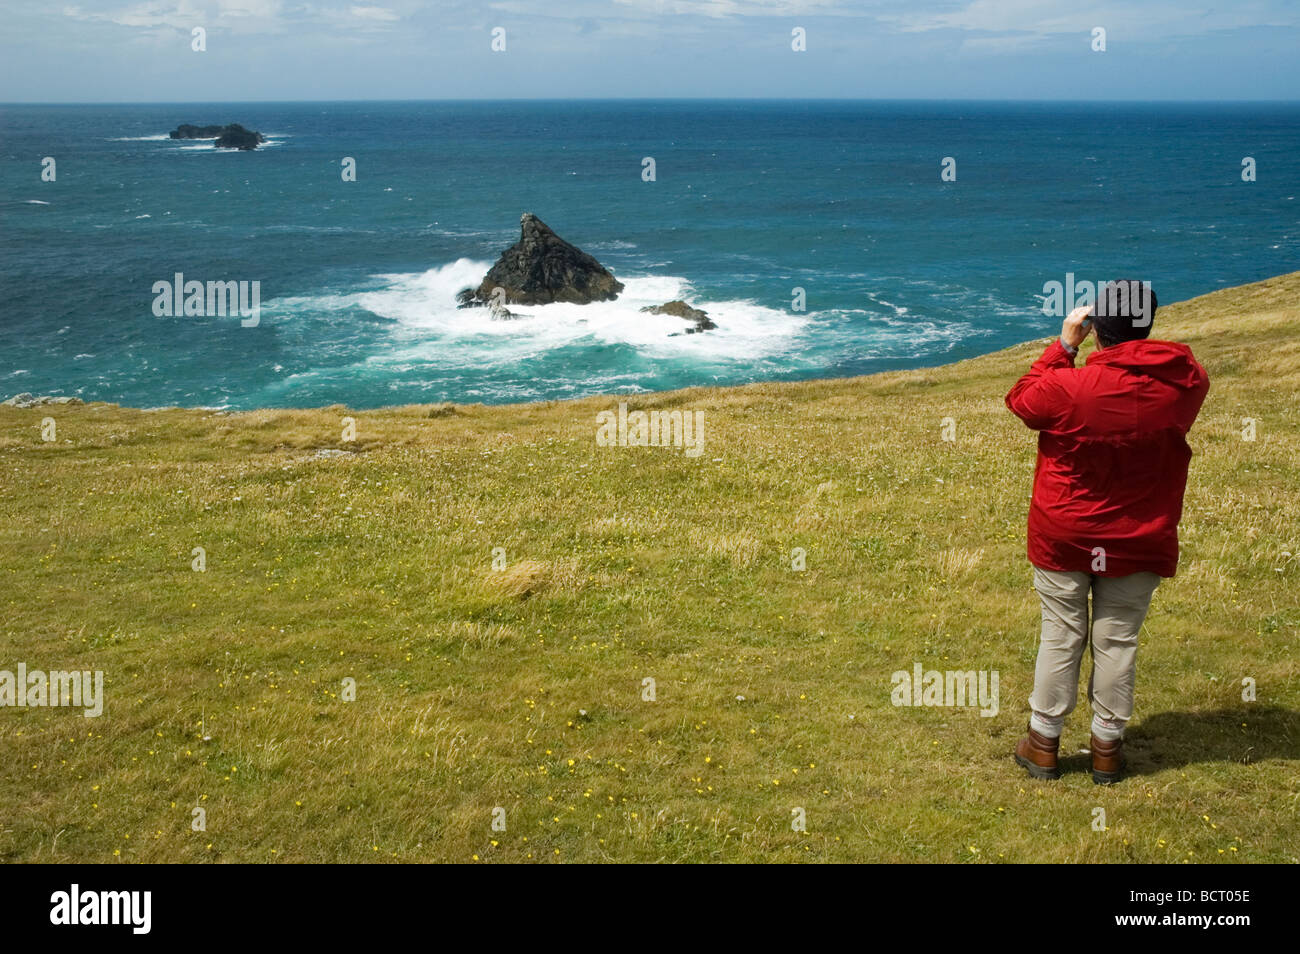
[1112, 455]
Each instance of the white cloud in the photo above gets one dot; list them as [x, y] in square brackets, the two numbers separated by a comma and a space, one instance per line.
[263, 9]
[373, 13]
[747, 8]
[1041, 19]
[244, 16]
[982, 25]
[143, 15]
[714, 9]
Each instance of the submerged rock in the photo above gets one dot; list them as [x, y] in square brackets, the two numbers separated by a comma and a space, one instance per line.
[27, 399]
[539, 269]
[679, 309]
[465, 299]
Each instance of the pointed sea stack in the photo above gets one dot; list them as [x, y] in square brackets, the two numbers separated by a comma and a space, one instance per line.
[542, 268]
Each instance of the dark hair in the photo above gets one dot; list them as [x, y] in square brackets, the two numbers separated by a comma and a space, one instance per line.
[1124, 311]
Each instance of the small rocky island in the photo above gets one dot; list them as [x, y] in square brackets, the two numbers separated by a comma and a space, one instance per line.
[542, 268]
[230, 136]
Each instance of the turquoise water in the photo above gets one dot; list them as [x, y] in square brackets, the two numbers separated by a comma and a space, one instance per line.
[751, 200]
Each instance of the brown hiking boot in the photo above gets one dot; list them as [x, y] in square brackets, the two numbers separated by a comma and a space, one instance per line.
[1107, 761]
[1036, 754]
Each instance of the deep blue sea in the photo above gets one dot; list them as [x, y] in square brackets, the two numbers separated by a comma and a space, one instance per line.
[750, 201]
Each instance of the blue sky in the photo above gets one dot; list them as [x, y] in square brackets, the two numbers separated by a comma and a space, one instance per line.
[108, 51]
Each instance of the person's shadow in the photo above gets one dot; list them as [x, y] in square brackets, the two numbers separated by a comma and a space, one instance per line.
[1174, 739]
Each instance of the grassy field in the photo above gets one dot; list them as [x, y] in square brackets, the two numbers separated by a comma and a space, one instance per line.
[523, 688]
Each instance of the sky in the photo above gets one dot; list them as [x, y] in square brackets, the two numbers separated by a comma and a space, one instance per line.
[260, 50]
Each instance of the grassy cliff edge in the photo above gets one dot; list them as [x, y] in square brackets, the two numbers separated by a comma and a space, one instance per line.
[521, 693]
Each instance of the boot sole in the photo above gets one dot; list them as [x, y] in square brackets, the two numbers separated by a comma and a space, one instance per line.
[1106, 778]
[1037, 771]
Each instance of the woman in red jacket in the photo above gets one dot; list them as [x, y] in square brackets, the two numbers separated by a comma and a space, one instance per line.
[1108, 494]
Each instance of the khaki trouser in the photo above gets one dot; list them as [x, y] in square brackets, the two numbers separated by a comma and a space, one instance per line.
[1119, 605]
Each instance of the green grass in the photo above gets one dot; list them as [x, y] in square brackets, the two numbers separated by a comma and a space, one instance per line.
[522, 689]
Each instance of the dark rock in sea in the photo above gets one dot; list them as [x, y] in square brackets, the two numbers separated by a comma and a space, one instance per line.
[188, 131]
[230, 136]
[236, 136]
[679, 309]
[542, 268]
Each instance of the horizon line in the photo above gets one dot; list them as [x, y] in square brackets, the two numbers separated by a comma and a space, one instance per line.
[663, 99]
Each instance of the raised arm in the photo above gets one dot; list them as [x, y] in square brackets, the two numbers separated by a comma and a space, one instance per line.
[1038, 398]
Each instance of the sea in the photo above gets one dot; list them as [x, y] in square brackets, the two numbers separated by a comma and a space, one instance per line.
[825, 238]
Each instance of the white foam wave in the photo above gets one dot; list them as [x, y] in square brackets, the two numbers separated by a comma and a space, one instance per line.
[35, 202]
[271, 139]
[423, 306]
[207, 145]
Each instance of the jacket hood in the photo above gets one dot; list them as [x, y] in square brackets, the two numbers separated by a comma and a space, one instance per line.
[1166, 361]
